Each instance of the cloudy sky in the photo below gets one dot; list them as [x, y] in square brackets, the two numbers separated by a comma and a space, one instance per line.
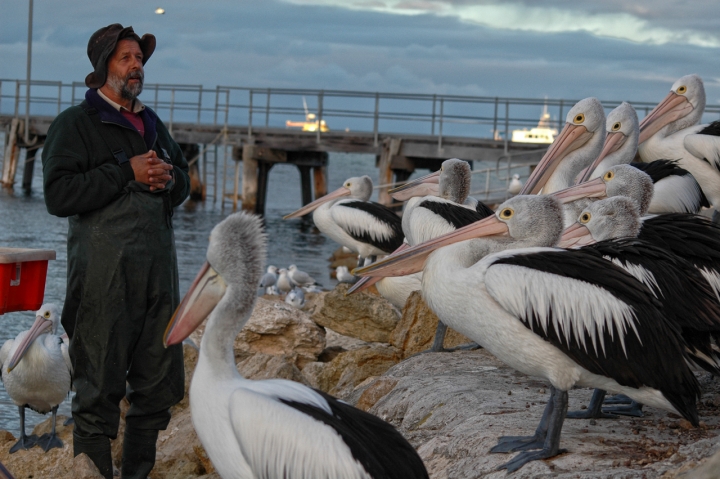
[611, 49]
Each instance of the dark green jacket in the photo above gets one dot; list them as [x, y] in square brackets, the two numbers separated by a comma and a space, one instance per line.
[79, 170]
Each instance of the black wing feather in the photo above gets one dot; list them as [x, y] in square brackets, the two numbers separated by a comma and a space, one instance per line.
[483, 209]
[384, 214]
[713, 129]
[693, 237]
[379, 447]
[456, 215]
[656, 358]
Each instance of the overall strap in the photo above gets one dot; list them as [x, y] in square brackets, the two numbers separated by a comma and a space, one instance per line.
[110, 140]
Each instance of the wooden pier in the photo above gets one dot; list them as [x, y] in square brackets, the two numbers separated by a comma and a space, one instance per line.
[404, 132]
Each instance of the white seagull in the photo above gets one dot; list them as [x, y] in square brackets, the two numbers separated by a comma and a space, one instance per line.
[515, 185]
[343, 275]
[284, 283]
[273, 428]
[301, 278]
[37, 372]
[296, 297]
[269, 279]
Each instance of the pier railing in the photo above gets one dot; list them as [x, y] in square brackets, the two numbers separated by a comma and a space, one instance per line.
[370, 112]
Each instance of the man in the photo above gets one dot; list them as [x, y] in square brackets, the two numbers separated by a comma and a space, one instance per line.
[111, 166]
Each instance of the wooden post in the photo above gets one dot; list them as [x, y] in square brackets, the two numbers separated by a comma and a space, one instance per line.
[305, 184]
[29, 168]
[12, 153]
[191, 152]
[320, 180]
[391, 147]
[264, 168]
[249, 179]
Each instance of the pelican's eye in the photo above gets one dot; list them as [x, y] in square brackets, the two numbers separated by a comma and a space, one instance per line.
[609, 176]
[46, 315]
[616, 126]
[682, 89]
[579, 118]
[585, 217]
[347, 185]
[506, 213]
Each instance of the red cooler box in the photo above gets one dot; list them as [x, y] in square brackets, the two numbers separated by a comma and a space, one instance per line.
[22, 278]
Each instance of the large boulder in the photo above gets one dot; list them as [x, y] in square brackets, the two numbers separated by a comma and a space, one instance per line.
[277, 329]
[416, 329]
[361, 315]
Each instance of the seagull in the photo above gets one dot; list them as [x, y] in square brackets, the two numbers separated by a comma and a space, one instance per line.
[284, 283]
[365, 227]
[343, 275]
[37, 373]
[296, 297]
[515, 185]
[301, 278]
[272, 428]
[269, 279]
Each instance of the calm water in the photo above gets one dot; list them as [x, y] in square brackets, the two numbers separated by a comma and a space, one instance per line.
[24, 222]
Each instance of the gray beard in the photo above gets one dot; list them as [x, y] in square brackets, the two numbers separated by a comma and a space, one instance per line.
[121, 87]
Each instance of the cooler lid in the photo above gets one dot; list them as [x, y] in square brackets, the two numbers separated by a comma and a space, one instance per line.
[21, 255]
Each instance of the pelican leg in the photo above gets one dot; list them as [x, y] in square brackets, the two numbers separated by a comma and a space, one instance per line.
[69, 421]
[49, 441]
[551, 446]
[25, 442]
[634, 410]
[618, 399]
[369, 260]
[524, 443]
[594, 409]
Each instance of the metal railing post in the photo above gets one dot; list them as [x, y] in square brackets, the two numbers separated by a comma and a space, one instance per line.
[72, 94]
[156, 97]
[17, 98]
[495, 119]
[507, 124]
[267, 109]
[560, 118]
[250, 111]
[200, 94]
[172, 110]
[59, 96]
[376, 119]
[442, 112]
[432, 128]
[320, 114]
[217, 104]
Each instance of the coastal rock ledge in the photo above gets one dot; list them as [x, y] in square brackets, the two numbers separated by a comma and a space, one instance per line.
[451, 406]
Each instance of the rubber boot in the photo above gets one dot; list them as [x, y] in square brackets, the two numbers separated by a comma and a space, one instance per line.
[138, 456]
[97, 449]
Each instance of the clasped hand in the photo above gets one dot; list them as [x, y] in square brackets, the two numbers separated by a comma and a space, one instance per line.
[151, 170]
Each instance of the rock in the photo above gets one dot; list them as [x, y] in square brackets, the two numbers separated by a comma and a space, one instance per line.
[710, 469]
[84, 468]
[416, 329]
[361, 315]
[277, 329]
[350, 368]
[267, 366]
[374, 392]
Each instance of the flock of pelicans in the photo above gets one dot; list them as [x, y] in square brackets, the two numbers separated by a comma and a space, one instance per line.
[598, 274]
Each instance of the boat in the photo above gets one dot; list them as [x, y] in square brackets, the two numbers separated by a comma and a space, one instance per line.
[310, 124]
[542, 133]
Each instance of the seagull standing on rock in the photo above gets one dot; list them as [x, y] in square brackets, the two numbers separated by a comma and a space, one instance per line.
[344, 275]
[301, 278]
[269, 279]
[284, 283]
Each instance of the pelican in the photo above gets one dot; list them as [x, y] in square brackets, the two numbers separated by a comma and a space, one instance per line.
[273, 428]
[442, 209]
[567, 316]
[578, 144]
[608, 228]
[301, 278]
[37, 372]
[269, 279]
[671, 130]
[366, 228]
[676, 190]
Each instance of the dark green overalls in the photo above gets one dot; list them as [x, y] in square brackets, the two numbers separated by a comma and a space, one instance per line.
[122, 276]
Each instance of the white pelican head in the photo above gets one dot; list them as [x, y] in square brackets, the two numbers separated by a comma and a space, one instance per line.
[681, 108]
[357, 187]
[47, 319]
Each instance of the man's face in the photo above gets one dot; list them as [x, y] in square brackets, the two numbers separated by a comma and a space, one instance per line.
[125, 69]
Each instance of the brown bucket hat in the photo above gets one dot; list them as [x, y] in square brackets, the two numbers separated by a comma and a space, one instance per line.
[102, 45]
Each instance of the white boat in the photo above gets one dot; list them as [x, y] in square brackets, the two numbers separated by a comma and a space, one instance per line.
[542, 133]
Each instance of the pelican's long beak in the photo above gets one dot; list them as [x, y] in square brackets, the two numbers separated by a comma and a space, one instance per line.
[367, 281]
[575, 236]
[423, 186]
[412, 260]
[39, 327]
[571, 138]
[613, 141]
[673, 107]
[339, 193]
[590, 189]
[204, 294]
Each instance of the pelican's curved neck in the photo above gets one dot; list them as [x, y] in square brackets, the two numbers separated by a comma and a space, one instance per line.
[223, 326]
[573, 164]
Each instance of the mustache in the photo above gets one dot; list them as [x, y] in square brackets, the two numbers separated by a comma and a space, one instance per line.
[136, 75]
